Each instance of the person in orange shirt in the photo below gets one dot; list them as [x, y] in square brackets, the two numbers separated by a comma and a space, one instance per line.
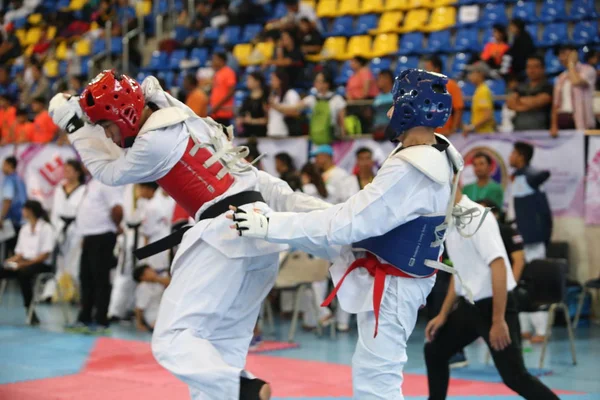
[21, 131]
[196, 99]
[8, 115]
[435, 64]
[495, 49]
[45, 129]
[223, 88]
[361, 85]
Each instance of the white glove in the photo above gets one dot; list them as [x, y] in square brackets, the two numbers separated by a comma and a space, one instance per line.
[151, 87]
[250, 224]
[66, 112]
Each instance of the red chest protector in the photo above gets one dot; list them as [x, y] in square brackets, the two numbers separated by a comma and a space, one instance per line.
[191, 184]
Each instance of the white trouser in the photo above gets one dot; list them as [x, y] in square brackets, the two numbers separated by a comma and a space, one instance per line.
[534, 322]
[378, 362]
[207, 317]
[122, 295]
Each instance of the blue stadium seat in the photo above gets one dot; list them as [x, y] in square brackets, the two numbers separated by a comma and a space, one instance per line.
[280, 11]
[251, 32]
[168, 77]
[378, 64]
[182, 33]
[99, 46]
[533, 31]
[406, 62]
[63, 68]
[554, 35]
[176, 57]
[116, 45]
[200, 55]
[19, 22]
[163, 7]
[342, 26]
[468, 89]
[493, 14]
[211, 34]
[159, 61]
[553, 66]
[365, 23]
[498, 117]
[16, 69]
[231, 35]
[344, 74]
[585, 32]
[524, 10]
[553, 11]
[62, 4]
[141, 76]
[466, 40]
[582, 10]
[239, 97]
[458, 65]
[439, 42]
[498, 88]
[411, 43]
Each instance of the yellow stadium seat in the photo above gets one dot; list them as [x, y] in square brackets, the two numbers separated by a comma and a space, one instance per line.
[61, 51]
[33, 36]
[51, 68]
[242, 52]
[51, 32]
[143, 8]
[77, 4]
[412, 4]
[385, 44]
[29, 50]
[333, 48]
[389, 22]
[311, 3]
[94, 26]
[357, 46]
[443, 3]
[349, 7]
[415, 20]
[83, 48]
[21, 34]
[262, 52]
[441, 18]
[393, 5]
[371, 6]
[327, 8]
[34, 19]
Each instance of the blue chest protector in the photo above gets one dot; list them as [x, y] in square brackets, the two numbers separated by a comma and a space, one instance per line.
[408, 246]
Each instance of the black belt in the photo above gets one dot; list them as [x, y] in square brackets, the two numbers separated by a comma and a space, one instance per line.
[213, 211]
[68, 221]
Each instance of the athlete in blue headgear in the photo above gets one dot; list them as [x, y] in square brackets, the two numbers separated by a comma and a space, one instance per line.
[386, 239]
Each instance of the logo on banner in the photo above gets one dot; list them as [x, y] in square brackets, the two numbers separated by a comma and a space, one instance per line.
[53, 171]
[499, 170]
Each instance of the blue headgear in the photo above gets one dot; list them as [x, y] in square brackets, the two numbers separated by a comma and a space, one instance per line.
[420, 99]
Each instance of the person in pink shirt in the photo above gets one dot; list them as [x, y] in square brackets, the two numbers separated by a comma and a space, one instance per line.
[361, 84]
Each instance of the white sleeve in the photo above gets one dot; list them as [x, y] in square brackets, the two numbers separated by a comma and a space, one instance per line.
[488, 240]
[291, 98]
[394, 197]
[151, 221]
[309, 101]
[280, 197]
[47, 239]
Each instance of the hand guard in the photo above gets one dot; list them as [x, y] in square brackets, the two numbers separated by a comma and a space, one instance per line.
[66, 112]
[151, 87]
[251, 225]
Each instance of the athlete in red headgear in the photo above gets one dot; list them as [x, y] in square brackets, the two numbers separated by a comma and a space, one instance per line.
[139, 133]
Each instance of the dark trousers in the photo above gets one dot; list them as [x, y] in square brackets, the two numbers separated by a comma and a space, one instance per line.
[465, 324]
[94, 275]
[25, 276]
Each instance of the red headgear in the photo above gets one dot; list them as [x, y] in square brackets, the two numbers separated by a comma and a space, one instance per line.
[116, 98]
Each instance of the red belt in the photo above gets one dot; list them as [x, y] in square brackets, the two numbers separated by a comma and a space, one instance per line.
[376, 269]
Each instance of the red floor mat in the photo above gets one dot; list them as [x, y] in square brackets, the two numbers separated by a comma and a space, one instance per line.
[269, 345]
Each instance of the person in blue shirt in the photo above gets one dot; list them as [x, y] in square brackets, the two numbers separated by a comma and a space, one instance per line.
[7, 87]
[14, 196]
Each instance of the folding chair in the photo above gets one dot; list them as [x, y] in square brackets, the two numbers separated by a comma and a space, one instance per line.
[589, 286]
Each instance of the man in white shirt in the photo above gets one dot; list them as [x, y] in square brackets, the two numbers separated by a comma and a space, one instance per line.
[485, 269]
[97, 221]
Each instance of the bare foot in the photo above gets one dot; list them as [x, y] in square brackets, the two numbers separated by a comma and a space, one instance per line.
[265, 392]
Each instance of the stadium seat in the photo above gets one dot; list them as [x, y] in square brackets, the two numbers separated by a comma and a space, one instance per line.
[554, 35]
[262, 51]
[441, 18]
[371, 6]
[33, 36]
[168, 77]
[239, 97]
[443, 3]
[177, 56]
[378, 64]
[143, 8]
[533, 31]
[182, 33]
[415, 20]
[553, 11]
[585, 32]
[200, 55]
[63, 68]
[388, 22]
[20, 23]
[553, 66]
[34, 19]
[333, 48]
[211, 34]
[251, 32]
[467, 89]
[99, 46]
[524, 10]
[28, 51]
[141, 76]
[358, 46]
[439, 42]
[349, 7]
[498, 88]
[51, 69]
[311, 3]
[51, 32]
[493, 14]
[411, 43]
[62, 49]
[280, 11]
[231, 35]
[396, 5]
[159, 61]
[466, 40]
[366, 23]
[459, 63]
[77, 5]
[327, 8]
[414, 4]
[385, 44]
[116, 45]
[242, 52]
[341, 26]
[344, 74]
[405, 62]
[21, 34]
[582, 10]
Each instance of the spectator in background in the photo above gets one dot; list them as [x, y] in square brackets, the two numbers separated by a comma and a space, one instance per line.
[284, 165]
[44, 129]
[361, 85]
[311, 39]
[252, 115]
[435, 64]
[223, 88]
[76, 84]
[494, 50]
[38, 87]
[195, 99]
[106, 12]
[521, 48]
[296, 11]
[382, 103]
[148, 293]
[156, 221]
[573, 106]
[532, 101]
[364, 167]
[482, 108]
[592, 58]
[485, 187]
[8, 115]
[40, 49]
[289, 57]
[10, 46]
[32, 253]
[283, 119]
[21, 130]
[125, 16]
[14, 196]
[8, 87]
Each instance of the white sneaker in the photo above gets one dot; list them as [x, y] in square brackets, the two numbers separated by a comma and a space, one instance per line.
[343, 327]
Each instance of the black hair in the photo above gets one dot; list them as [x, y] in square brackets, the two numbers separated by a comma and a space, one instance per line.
[36, 209]
[149, 185]
[558, 49]
[361, 60]
[519, 23]
[191, 78]
[316, 178]
[589, 55]
[537, 57]
[327, 78]
[494, 207]
[287, 160]
[283, 77]
[363, 150]
[502, 29]
[39, 99]
[139, 271]
[22, 111]
[388, 73]
[257, 75]
[12, 161]
[436, 62]
[221, 55]
[525, 150]
[480, 154]
[78, 167]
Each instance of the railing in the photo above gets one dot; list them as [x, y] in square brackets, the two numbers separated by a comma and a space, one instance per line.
[102, 56]
[127, 38]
